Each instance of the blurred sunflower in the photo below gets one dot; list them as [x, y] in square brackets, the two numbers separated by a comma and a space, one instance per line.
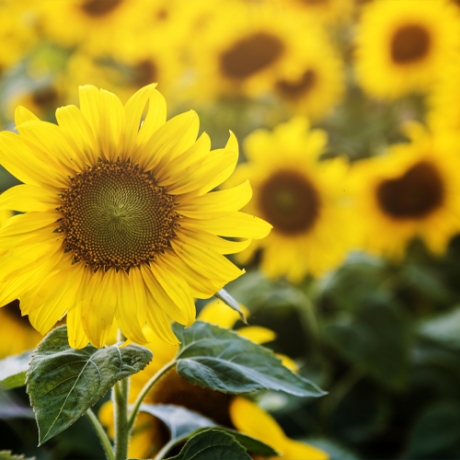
[300, 196]
[149, 434]
[16, 33]
[404, 46]
[326, 11]
[314, 83]
[411, 192]
[98, 22]
[17, 333]
[118, 223]
[245, 56]
[252, 420]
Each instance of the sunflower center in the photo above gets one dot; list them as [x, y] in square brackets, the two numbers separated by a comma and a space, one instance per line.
[289, 202]
[99, 8]
[414, 195]
[144, 73]
[45, 97]
[296, 88]
[115, 216]
[250, 55]
[410, 43]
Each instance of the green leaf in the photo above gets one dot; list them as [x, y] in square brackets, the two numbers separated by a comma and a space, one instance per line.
[435, 432]
[180, 421]
[63, 382]
[334, 450]
[212, 444]
[220, 359]
[443, 329]
[7, 455]
[377, 340]
[231, 302]
[13, 370]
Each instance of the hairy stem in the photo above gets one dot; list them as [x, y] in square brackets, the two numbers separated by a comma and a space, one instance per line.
[106, 445]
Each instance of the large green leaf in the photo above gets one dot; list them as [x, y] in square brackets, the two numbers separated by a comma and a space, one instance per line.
[443, 329]
[212, 444]
[376, 340]
[222, 360]
[63, 383]
[13, 370]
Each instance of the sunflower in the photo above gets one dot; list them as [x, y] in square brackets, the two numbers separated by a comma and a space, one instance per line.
[245, 56]
[314, 83]
[117, 222]
[413, 191]
[97, 22]
[149, 434]
[326, 11]
[300, 196]
[404, 46]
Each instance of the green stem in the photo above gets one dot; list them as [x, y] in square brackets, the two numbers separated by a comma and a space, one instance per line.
[120, 406]
[145, 390]
[106, 445]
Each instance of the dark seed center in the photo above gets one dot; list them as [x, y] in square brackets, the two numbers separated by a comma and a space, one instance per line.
[414, 195]
[290, 202]
[250, 55]
[296, 88]
[98, 8]
[410, 43]
[115, 216]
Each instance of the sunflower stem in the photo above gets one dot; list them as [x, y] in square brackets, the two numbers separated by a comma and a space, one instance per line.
[144, 391]
[105, 441]
[168, 446]
[120, 404]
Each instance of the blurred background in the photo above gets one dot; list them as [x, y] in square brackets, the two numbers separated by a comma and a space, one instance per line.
[348, 118]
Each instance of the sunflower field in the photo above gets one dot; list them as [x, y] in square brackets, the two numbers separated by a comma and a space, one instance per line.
[230, 229]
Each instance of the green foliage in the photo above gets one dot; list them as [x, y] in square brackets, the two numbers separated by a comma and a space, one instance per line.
[212, 444]
[63, 383]
[359, 340]
[13, 370]
[222, 360]
[183, 423]
[180, 421]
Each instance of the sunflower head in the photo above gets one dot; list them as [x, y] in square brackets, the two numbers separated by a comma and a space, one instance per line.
[121, 202]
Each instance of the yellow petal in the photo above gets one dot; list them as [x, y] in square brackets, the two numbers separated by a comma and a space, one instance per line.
[257, 334]
[112, 126]
[217, 204]
[218, 313]
[171, 139]
[238, 225]
[98, 306]
[25, 198]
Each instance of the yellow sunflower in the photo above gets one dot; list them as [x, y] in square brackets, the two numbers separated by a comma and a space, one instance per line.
[413, 191]
[117, 220]
[246, 55]
[97, 22]
[300, 196]
[314, 83]
[327, 11]
[404, 46]
[149, 434]
[252, 420]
